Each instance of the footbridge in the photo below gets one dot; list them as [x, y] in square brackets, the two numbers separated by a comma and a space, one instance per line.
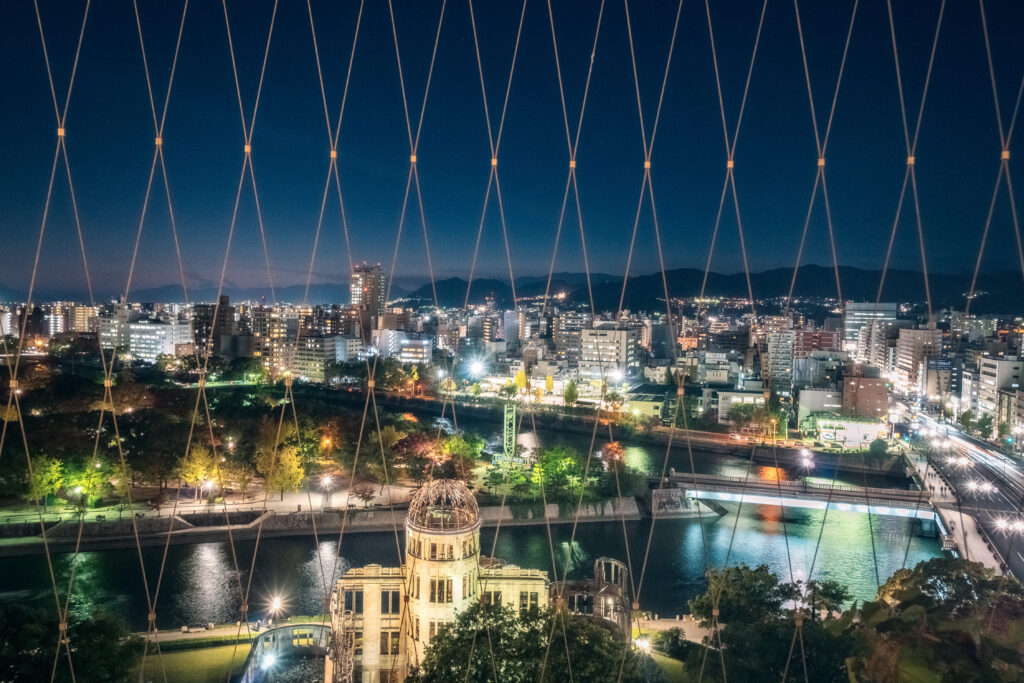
[805, 494]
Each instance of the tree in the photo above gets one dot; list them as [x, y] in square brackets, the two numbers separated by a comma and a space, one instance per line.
[416, 453]
[966, 420]
[102, 649]
[242, 474]
[521, 381]
[197, 466]
[984, 426]
[281, 470]
[946, 619]
[516, 646]
[826, 595]
[614, 454]
[669, 378]
[741, 415]
[879, 448]
[389, 436]
[462, 452]
[245, 369]
[614, 399]
[476, 389]
[46, 480]
[364, 492]
[571, 394]
[759, 628]
[742, 594]
[558, 469]
[549, 383]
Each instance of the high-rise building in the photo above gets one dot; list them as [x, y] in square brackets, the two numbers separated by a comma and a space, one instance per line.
[314, 353]
[567, 329]
[148, 339]
[914, 348]
[995, 374]
[777, 364]
[858, 315]
[213, 322]
[369, 289]
[6, 322]
[607, 349]
[80, 318]
[807, 340]
[865, 396]
[272, 328]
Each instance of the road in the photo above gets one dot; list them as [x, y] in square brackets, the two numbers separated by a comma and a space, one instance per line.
[989, 485]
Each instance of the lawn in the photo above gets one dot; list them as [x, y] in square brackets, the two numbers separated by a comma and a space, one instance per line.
[205, 665]
[673, 668]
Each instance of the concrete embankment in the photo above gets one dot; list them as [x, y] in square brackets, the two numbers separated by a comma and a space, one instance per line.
[211, 527]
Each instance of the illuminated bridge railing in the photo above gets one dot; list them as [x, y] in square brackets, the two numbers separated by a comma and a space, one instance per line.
[880, 501]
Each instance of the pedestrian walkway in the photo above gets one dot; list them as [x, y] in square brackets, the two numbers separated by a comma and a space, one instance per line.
[962, 527]
[293, 501]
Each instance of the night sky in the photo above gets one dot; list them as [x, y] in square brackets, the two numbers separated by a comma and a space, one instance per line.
[110, 136]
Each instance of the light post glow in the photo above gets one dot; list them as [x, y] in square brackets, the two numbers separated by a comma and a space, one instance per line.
[476, 368]
[643, 644]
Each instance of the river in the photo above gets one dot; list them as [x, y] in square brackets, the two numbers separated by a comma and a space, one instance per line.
[200, 584]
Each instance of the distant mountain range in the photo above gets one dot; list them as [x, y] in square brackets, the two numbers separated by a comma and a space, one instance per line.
[997, 291]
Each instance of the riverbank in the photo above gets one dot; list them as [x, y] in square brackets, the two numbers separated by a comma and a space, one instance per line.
[208, 527]
[548, 418]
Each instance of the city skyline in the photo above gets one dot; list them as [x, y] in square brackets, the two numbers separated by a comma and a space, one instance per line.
[109, 139]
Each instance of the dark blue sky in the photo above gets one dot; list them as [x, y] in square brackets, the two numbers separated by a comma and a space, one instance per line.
[110, 136]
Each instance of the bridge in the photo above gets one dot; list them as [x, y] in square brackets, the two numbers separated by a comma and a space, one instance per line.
[805, 494]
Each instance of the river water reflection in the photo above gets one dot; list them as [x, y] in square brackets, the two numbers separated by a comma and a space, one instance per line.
[200, 584]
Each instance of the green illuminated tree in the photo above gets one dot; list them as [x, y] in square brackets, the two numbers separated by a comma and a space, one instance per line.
[46, 480]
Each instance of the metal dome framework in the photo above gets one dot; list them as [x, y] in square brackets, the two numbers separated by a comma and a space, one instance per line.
[443, 505]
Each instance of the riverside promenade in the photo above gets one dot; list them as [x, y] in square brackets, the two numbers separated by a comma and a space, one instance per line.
[961, 528]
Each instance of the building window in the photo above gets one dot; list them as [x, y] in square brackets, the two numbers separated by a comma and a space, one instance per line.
[440, 590]
[389, 602]
[491, 598]
[358, 640]
[354, 601]
[389, 642]
[527, 601]
[433, 551]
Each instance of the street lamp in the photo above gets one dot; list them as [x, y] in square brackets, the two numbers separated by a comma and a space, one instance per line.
[476, 368]
[326, 483]
[276, 605]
